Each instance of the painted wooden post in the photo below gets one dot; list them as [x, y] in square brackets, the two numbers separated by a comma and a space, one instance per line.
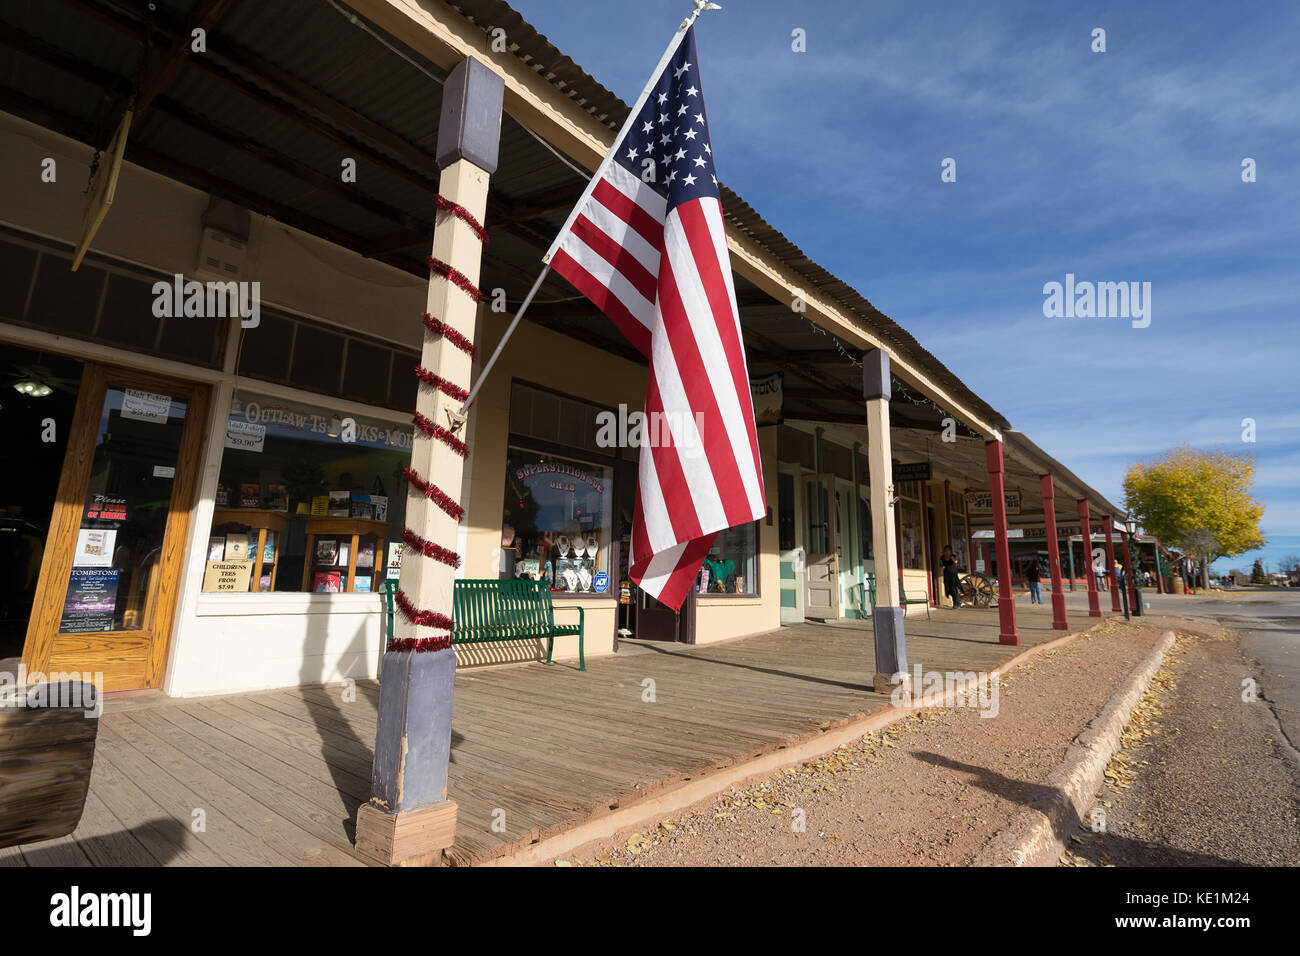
[1007, 631]
[1059, 621]
[409, 820]
[1108, 526]
[887, 618]
[1085, 519]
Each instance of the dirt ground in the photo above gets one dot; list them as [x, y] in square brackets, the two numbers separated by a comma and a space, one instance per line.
[930, 790]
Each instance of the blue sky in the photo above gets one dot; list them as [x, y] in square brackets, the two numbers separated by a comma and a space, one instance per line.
[1115, 166]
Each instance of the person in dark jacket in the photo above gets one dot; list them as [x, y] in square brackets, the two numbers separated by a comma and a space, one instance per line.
[951, 580]
[1035, 586]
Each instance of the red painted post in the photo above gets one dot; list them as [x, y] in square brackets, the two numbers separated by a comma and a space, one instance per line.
[1108, 526]
[1008, 634]
[1048, 488]
[1094, 604]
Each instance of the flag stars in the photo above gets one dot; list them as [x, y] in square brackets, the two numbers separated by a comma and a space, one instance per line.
[699, 161]
[663, 98]
[689, 181]
[699, 118]
[678, 72]
[680, 154]
[681, 111]
[631, 155]
[648, 127]
[692, 91]
[690, 134]
[663, 118]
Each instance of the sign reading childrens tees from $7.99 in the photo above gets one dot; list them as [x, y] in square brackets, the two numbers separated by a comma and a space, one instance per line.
[253, 418]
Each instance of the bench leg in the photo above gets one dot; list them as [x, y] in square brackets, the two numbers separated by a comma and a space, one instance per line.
[582, 660]
[550, 648]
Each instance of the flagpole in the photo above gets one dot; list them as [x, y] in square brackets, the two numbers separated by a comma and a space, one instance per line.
[673, 44]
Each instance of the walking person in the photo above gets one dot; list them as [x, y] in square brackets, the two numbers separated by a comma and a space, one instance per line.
[951, 581]
[1035, 584]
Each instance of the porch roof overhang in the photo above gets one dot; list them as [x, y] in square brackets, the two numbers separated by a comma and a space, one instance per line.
[265, 115]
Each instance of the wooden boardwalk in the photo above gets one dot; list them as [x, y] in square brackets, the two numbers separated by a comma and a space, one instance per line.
[275, 778]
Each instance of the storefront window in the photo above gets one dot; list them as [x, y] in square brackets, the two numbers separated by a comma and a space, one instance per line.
[909, 513]
[556, 522]
[309, 499]
[957, 514]
[732, 564]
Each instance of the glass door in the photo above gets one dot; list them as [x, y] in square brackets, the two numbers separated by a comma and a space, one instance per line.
[109, 581]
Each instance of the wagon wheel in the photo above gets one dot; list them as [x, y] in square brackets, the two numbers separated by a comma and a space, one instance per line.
[977, 589]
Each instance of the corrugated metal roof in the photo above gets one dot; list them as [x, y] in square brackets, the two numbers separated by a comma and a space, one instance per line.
[269, 49]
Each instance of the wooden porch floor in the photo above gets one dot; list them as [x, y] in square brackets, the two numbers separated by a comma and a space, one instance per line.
[275, 778]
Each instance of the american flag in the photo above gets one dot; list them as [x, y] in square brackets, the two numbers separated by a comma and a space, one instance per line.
[646, 244]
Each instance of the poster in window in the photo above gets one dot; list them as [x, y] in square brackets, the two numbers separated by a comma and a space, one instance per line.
[91, 600]
[94, 548]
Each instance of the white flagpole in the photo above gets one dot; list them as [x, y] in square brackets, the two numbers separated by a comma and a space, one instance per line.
[673, 44]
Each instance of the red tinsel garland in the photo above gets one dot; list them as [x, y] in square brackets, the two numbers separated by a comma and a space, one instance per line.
[441, 384]
[465, 216]
[444, 501]
[450, 334]
[456, 277]
[431, 550]
[442, 434]
[420, 644]
[418, 617]
[433, 493]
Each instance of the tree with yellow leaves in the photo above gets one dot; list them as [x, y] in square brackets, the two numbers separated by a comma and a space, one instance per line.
[1198, 501]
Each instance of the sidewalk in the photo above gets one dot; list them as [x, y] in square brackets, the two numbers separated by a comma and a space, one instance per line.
[536, 750]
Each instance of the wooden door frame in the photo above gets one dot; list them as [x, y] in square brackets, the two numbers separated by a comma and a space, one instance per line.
[70, 502]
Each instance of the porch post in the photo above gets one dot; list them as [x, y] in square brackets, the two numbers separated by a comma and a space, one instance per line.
[1108, 526]
[1048, 488]
[409, 821]
[887, 618]
[1085, 518]
[1008, 634]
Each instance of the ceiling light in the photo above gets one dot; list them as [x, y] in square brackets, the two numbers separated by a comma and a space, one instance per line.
[32, 388]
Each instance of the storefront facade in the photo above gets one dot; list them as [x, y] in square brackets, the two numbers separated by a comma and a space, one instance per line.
[215, 408]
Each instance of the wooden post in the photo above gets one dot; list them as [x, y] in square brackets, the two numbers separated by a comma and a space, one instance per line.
[1108, 526]
[887, 618]
[1059, 621]
[409, 820]
[1007, 631]
[1085, 518]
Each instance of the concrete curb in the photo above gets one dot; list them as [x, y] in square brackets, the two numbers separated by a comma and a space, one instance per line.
[573, 837]
[1038, 833]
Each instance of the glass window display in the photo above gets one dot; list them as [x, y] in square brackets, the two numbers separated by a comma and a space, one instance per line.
[556, 522]
[732, 564]
[309, 499]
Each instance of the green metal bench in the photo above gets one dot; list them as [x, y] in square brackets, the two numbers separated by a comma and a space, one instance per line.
[497, 610]
[904, 600]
